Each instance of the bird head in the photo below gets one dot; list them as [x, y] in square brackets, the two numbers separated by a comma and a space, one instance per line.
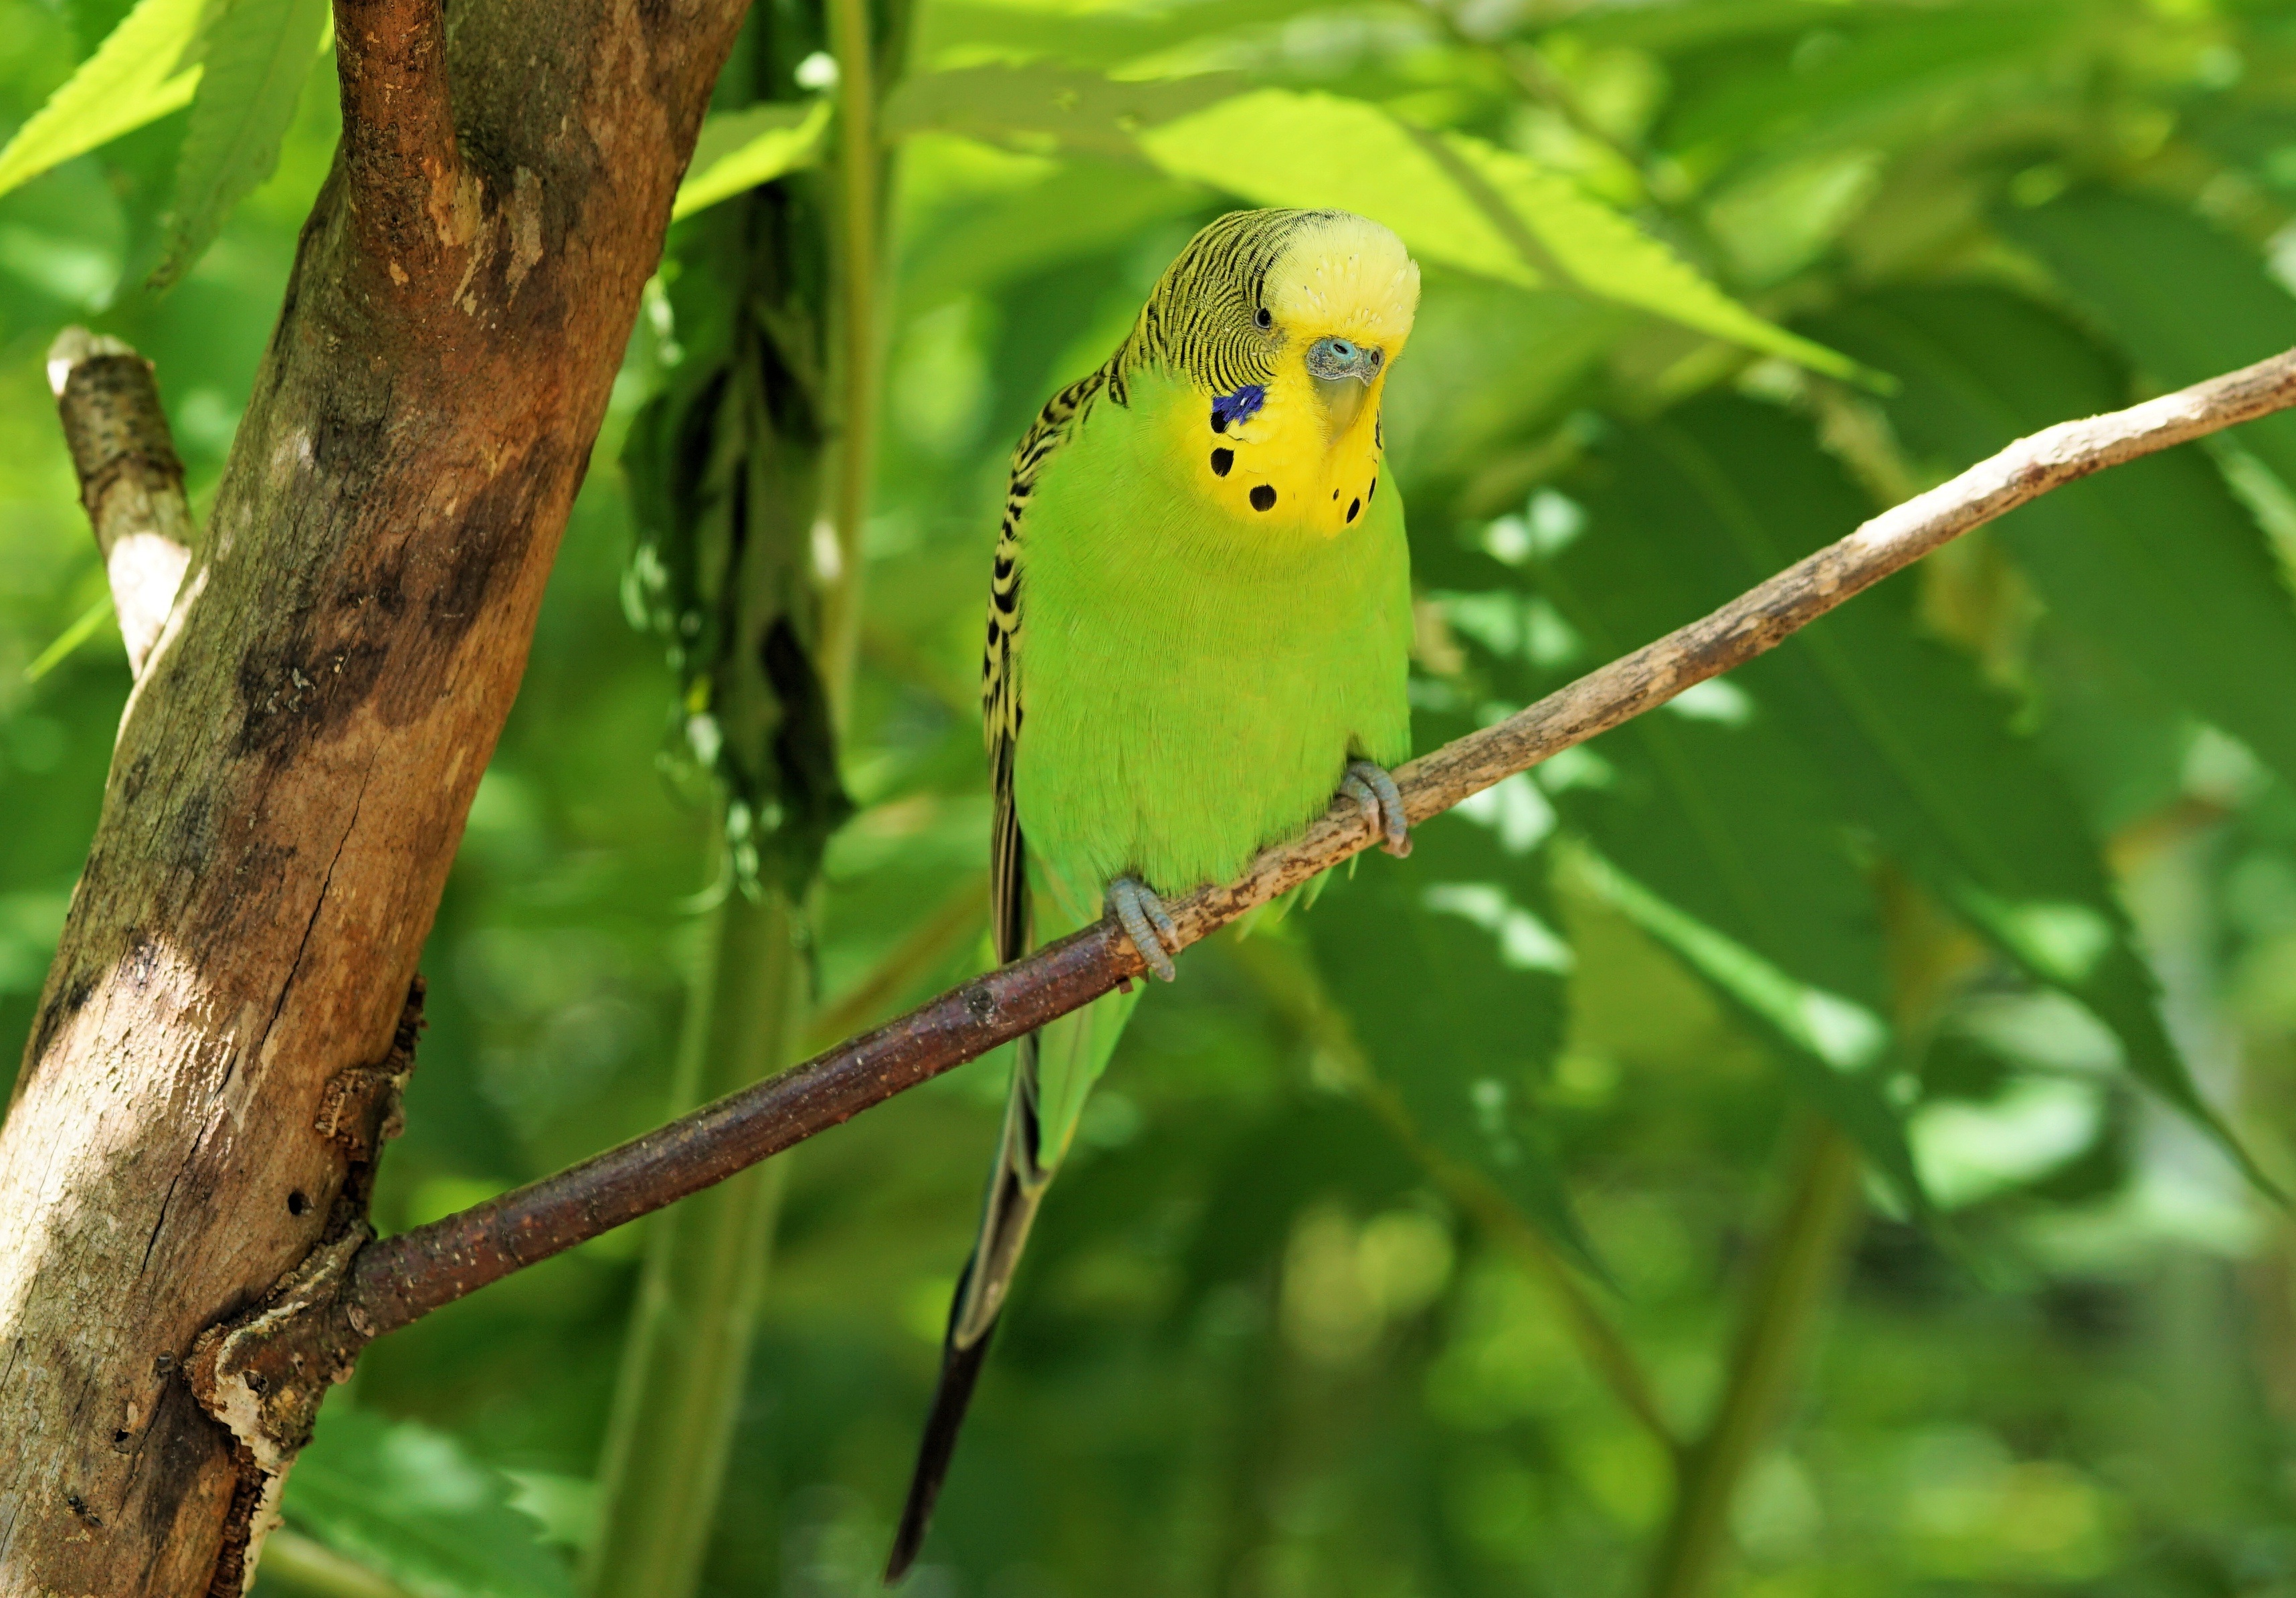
[1285, 324]
[1340, 302]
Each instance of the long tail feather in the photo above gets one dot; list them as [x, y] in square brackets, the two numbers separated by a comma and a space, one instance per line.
[1015, 1192]
[960, 1368]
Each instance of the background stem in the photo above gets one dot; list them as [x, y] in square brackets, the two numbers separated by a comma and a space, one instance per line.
[686, 1362]
[704, 1278]
[860, 176]
[1796, 1275]
[1296, 989]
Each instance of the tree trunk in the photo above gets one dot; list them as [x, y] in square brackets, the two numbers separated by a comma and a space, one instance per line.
[213, 1054]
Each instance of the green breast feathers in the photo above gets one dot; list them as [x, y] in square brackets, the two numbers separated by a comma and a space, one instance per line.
[1201, 608]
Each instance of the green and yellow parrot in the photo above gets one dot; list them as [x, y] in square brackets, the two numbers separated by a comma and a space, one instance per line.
[1198, 628]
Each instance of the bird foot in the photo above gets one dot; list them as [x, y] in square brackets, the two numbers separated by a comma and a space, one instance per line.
[1147, 923]
[1369, 785]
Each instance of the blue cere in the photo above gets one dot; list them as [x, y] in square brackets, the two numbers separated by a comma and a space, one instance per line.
[1239, 407]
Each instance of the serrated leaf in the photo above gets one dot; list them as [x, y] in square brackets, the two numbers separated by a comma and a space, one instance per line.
[1085, 34]
[1080, 207]
[1603, 253]
[1273, 1167]
[1036, 106]
[739, 150]
[1456, 201]
[2155, 563]
[1728, 816]
[136, 76]
[2184, 300]
[258, 58]
[1892, 80]
[1833, 1048]
[412, 1504]
[1437, 948]
[1924, 755]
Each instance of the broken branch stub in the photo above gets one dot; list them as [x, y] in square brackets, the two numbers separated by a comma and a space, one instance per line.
[130, 479]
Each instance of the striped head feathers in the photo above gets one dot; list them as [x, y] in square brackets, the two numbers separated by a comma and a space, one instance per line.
[1286, 322]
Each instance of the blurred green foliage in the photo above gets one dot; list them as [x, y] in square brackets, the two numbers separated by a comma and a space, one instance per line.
[1995, 870]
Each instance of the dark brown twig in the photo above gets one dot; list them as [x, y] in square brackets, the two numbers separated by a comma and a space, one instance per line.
[398, 1279]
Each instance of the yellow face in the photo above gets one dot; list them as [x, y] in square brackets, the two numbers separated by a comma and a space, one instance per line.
[1305, 455]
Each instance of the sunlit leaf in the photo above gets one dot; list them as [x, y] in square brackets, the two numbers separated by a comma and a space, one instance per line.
[1045, 107]
[1435, 947]
[2118, 253]
[2156, 563]
[136, 76]
[740, 150]
[1603, 253]
[1924, 756]
[1456, 201]
[412, 1504]
[1085, 34]
[1897, 77]
[1081, 207]
[1834, 1050]
[257, 57]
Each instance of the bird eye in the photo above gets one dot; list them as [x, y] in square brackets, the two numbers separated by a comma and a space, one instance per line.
[1263, 318]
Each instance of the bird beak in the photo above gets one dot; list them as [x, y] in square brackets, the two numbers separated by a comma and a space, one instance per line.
[1343, 371]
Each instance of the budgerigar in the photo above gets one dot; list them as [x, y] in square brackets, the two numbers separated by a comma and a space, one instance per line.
[1198, 631]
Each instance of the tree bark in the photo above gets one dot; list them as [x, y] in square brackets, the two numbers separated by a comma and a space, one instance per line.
[214, 1056]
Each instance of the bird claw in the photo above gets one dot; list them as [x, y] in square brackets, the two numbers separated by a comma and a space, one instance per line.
[1147, 923]
[1370, 786]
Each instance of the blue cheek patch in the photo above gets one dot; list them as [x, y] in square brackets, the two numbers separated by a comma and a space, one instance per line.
[1239, 407]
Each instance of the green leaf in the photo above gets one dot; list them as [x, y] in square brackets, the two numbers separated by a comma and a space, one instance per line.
[1848, 1037]
[1456, 201]
[1263, 1175]
[1887, 83]
[136, 76]
[1722, 832]
[1086, 35]
[1039, 106]
[1924, 755]
[411, 1503]
[258, 57]
[1834, 1050]
[1603, 253]
[1713, 801]
[1080, 207]
[739, 150]
[2155, 563]
[2186, 301]
[1457, 944]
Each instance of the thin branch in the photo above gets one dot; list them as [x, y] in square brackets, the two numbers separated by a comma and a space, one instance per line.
[405, 1277]
[130, 479]
[405, 170]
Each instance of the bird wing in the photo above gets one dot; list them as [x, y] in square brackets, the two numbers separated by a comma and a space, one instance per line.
[1000, 663]
[1018, 1183]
